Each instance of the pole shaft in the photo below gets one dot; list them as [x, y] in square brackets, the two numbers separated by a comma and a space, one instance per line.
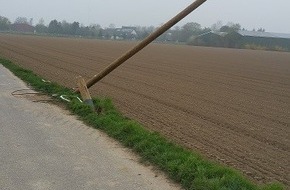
[144, 43]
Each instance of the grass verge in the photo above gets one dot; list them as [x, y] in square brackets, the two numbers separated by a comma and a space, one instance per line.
[189, 169]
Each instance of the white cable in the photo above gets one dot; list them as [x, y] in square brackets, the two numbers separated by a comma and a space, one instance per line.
[63, 97]
[45, 81]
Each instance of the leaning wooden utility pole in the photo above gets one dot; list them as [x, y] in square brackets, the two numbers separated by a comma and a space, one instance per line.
[144, 43]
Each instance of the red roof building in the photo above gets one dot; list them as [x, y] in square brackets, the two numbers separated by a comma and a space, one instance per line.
[21, 27]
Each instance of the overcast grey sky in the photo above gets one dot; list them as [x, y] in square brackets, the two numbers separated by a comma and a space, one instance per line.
[273, 15]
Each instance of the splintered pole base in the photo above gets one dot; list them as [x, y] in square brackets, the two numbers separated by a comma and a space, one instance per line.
[85, 94]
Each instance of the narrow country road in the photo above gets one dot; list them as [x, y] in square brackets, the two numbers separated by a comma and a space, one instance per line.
[43, 147]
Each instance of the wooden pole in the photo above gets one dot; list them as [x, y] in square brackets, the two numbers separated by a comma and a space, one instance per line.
[144, 43]
[85, 94]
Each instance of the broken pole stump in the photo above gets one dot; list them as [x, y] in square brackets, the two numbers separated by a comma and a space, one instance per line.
[85, 94]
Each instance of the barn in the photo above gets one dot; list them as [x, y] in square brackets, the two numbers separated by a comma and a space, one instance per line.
[213, 39]
[244, 39]
[268, 40]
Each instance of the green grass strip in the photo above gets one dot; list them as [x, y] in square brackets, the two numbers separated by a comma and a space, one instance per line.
[189, 169]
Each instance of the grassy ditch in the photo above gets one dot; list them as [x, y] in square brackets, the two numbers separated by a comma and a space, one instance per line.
[189, 169]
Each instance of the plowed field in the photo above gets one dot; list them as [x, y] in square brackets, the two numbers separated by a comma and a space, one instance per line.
[233, 106]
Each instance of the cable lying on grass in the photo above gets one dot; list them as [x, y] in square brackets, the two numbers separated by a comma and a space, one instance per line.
[69, 98]
[24, 92]
[41, 97]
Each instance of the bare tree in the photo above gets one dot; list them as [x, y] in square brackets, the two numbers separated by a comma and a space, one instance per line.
[112, 26]
[21, 20]
[31, 21]
[217, 26]
[41, 21]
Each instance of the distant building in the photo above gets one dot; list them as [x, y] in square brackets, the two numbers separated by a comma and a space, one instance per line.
[242, 38]
[265, 39]
[213, 39]
[21, 27]
[126, 33]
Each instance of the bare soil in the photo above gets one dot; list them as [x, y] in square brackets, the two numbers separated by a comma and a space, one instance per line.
[233, 106]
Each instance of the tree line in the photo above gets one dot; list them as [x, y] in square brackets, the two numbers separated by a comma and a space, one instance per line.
[54, 27]
[181, 34]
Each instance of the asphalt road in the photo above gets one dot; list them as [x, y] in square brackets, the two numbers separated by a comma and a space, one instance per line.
[43, 147]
